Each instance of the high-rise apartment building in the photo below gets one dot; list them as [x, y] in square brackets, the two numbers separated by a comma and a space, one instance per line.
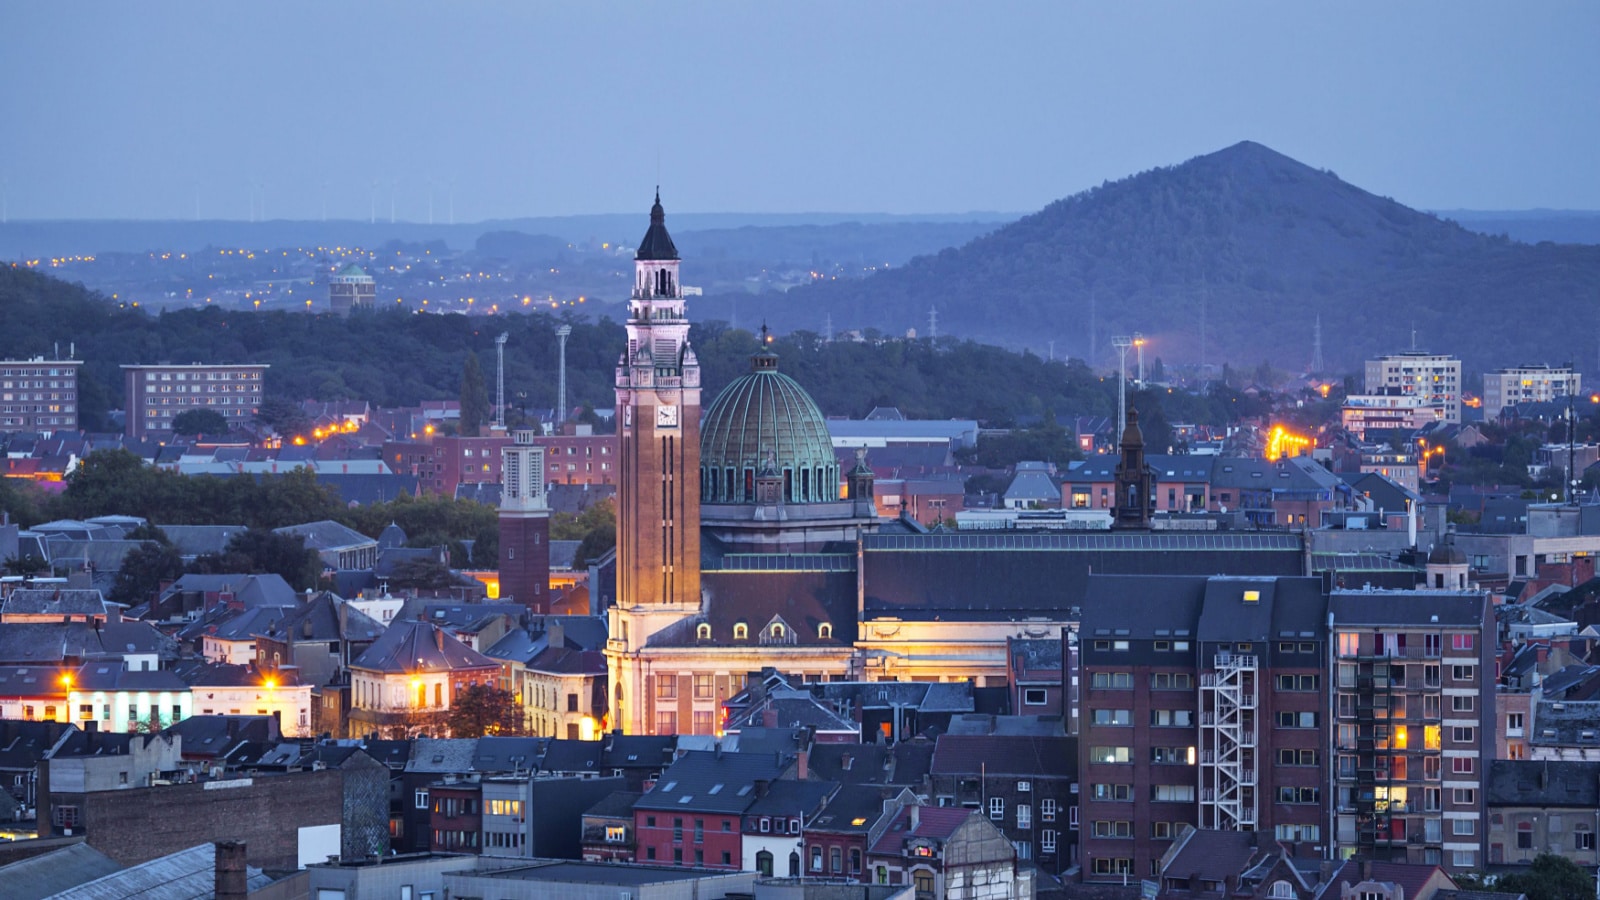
[1413, 725]
[39, 394]
[1527, 384]
[1202, 705]
[157, 394]
[1434, 377]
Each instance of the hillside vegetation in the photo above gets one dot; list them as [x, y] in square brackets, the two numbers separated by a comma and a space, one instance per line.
[1246, 244]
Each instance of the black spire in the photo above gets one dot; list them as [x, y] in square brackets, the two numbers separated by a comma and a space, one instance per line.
[657, 244]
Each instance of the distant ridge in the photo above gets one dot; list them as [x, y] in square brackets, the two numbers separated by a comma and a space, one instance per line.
[1252, 243]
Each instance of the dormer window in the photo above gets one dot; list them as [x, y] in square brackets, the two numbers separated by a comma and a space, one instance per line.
[741, 631]
[825, 630]
[777, 631]
[703, 631]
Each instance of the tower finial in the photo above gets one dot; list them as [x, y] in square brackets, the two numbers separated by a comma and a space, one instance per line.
[765, 337]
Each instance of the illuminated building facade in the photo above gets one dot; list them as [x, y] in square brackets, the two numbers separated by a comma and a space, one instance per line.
[1433, 377]
[155, 395]
[1527, 384]
[407, 680]
[39, 394]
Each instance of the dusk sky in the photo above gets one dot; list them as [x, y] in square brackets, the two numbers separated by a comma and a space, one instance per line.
[118, 110]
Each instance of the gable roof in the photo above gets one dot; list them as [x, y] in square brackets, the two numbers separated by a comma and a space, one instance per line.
[713, 782]
[420, 646]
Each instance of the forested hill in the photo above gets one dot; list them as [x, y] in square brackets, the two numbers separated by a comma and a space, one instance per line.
[394, 358]
[1246, 241]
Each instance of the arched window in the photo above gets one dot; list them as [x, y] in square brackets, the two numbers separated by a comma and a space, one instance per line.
[741, 631]
[777, 631]
[825, 630]
[702, 631]
[794, 864]
[764, 863]
[1282, 890]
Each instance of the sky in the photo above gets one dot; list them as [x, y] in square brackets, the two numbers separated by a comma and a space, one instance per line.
[166, 110]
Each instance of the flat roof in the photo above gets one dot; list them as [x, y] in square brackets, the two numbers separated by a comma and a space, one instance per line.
[626, 874]
[198, 366]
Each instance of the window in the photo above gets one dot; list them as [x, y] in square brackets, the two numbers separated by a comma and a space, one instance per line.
[1110, 754]
[704, 687]
[702, 632]
[825, 630]
[1281, 890]
[421, 799]
[1464, 859]
[1047, 840]
[1113, 717]
[1287, 757]
[816, 859]
[1461, 642]
[1514, 724]
[1463, 796]
[1349, 644]
[1024, 815]
[1113, 792]
[1461, 703]
[1583, 838]
[1114, 680]
[1462, 765]
[1103, 828]
[1297, 682]
[1463, 673]
[741, 631]
[666, 722]
[1161, 830]
[1047, 810]
[1172, 793]
[1033, 697]
[1463, 827]
[1105, 865]
[1182, 718]
[616, 834]
[1299, 833]
[666, 687]
[1461, 734]
[1297, 795]
[1430, 646]
[1024, 787]
[1430, 676]
[1297, 719]
[997, 808]
[1174, 756]
[1171, 681]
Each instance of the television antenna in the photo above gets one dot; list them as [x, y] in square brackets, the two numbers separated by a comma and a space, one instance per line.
[500, 382]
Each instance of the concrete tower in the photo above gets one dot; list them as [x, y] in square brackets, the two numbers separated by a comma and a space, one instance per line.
[658, 497]
[524, 524]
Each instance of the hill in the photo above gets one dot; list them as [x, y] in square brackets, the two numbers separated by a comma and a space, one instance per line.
[1227, 257]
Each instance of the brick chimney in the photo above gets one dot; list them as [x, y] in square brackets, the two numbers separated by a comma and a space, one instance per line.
[232, 881]
[438, 638]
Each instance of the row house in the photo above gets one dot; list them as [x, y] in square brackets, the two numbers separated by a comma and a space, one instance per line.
[1538, 806]
[949, 852]
[608, 828]
[842, 832]
[409, 678]
[694, 815]
[774, 827]
[1026, 785]
[1294, 491]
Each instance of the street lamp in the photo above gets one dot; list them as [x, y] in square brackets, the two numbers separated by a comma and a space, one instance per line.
[1139, 342]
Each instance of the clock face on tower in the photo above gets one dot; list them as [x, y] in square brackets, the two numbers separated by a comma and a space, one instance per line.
[666, 417]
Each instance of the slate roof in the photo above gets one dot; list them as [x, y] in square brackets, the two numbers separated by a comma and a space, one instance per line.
[318, 620]
[935, 822]
[185, 875]
[711, 782]
[802, 601]
[845, 807]
[1410, 878]
[55, 872]
[51, 602]
[984, 576]
[327, 535]
[246, 624]
[199, 673]
[508, 754]
[213, 736]
[1405, 608]
[1035, 757]
[1566, 723]
[1213, 855]
[1544, 783]
[657, 244]
[1032, 655]
[624, 751]
[47, 642]
[564, 756]
[442, 755]
[790, 798]
[615, 805]
[250, 590]
[114, 676]
[564, 661]
[420, 646]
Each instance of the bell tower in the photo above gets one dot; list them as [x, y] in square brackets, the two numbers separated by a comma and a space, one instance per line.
[658, 479]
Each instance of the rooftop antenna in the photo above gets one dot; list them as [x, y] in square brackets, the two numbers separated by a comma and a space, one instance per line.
[1316, 345]
[500, 382]
[1413, 335]
[933, 323]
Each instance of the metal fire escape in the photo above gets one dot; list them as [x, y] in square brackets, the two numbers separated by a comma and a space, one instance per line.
[1375, 732]
[1228, 732]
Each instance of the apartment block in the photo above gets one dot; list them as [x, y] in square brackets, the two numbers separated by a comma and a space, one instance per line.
[1527, 384]
[157, 394]
[1433, 377]
[1387, 409]
[1414, 725]
[39, 394]
[1203, 705]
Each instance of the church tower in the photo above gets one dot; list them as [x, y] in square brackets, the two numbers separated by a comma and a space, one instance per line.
[1134, 480]
[658, 490]
[524, 524]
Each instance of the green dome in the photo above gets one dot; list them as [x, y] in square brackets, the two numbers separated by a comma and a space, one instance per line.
[766, 422]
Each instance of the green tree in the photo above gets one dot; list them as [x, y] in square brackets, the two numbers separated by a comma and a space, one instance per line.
[26, 564]
[474, 397]
[424, 574]
[1551, 877]
[200, 420]
[285, 418]
[22, 501]
[259, 551]
[483, 709]
[143, 571]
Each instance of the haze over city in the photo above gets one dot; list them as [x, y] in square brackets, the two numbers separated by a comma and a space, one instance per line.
[309, 110]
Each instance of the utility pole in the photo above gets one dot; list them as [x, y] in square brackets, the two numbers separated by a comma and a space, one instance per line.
[1122, 344]
[562, 334]
[1138, 343]
[1316, 346]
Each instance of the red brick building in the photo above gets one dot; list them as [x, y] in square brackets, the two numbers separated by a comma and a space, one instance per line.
[692, 816]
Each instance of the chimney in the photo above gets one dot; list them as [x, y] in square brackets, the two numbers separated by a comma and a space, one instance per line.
[803, 765]
[555, 635]
[232, 881]
[915, 811]
[438, 638]
[1366, 870]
